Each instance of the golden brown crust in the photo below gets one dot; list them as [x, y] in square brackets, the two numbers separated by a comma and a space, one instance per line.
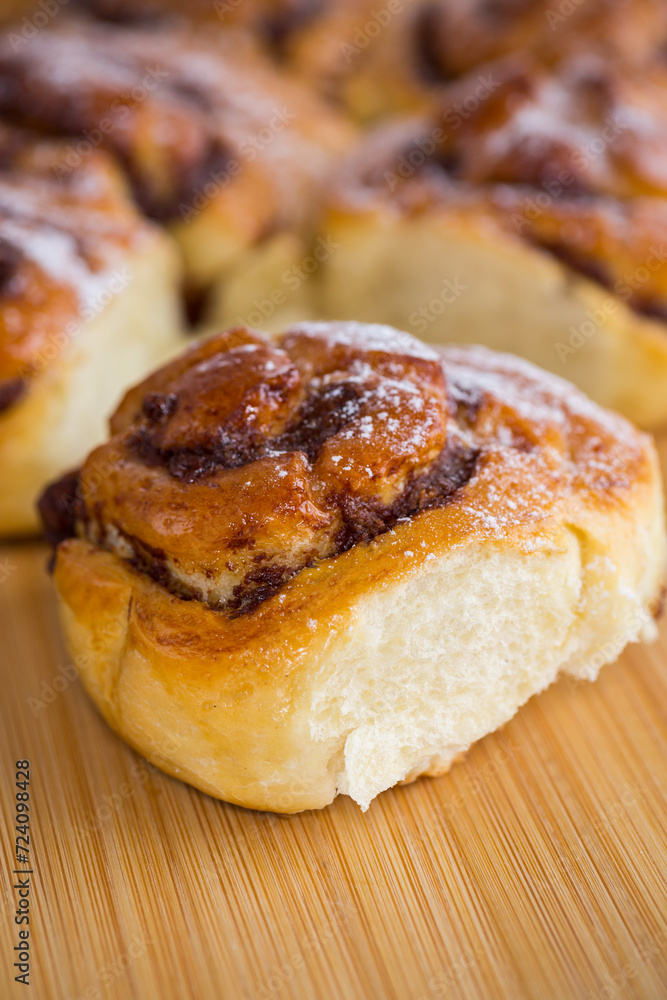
[518, 123]
[243, 462]
[226, 701]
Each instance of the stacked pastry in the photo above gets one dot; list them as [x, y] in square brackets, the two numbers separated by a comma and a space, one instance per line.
[232, 156]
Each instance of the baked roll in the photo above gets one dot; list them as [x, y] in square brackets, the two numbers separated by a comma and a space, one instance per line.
[216, 143]
[88, 303]
[329, 562]
[529, 215]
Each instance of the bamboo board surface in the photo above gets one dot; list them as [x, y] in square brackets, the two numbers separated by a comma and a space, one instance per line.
[535, 869]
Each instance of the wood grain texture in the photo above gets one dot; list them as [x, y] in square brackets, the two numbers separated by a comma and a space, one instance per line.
[535, 869]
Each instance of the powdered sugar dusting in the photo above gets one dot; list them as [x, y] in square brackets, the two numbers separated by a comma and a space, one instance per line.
[367, 337]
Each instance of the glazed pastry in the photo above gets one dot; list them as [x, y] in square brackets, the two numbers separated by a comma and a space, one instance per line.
[88, 303]
[529, 215]
[329, 562]
[216, 143]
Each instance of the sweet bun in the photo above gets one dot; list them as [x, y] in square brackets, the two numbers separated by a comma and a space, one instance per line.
[330, 561]
[527, 214]
[217, 144]
[88, 303]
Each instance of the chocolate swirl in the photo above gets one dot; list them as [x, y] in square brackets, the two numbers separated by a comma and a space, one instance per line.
[246, 460]
[185, 113]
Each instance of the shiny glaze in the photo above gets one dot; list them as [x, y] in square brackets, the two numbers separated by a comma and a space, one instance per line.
[245, 460]
[489, 436]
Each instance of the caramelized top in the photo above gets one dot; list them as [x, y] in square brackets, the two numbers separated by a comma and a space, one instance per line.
[63, 239]
[246, 460]
[573, 160]
[184, 112]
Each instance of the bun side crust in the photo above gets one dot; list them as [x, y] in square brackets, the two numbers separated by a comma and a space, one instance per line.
[390, 659]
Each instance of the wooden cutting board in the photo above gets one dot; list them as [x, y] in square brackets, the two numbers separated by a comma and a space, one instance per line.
[537, 868]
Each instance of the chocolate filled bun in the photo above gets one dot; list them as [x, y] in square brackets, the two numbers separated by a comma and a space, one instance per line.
[329, 561]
